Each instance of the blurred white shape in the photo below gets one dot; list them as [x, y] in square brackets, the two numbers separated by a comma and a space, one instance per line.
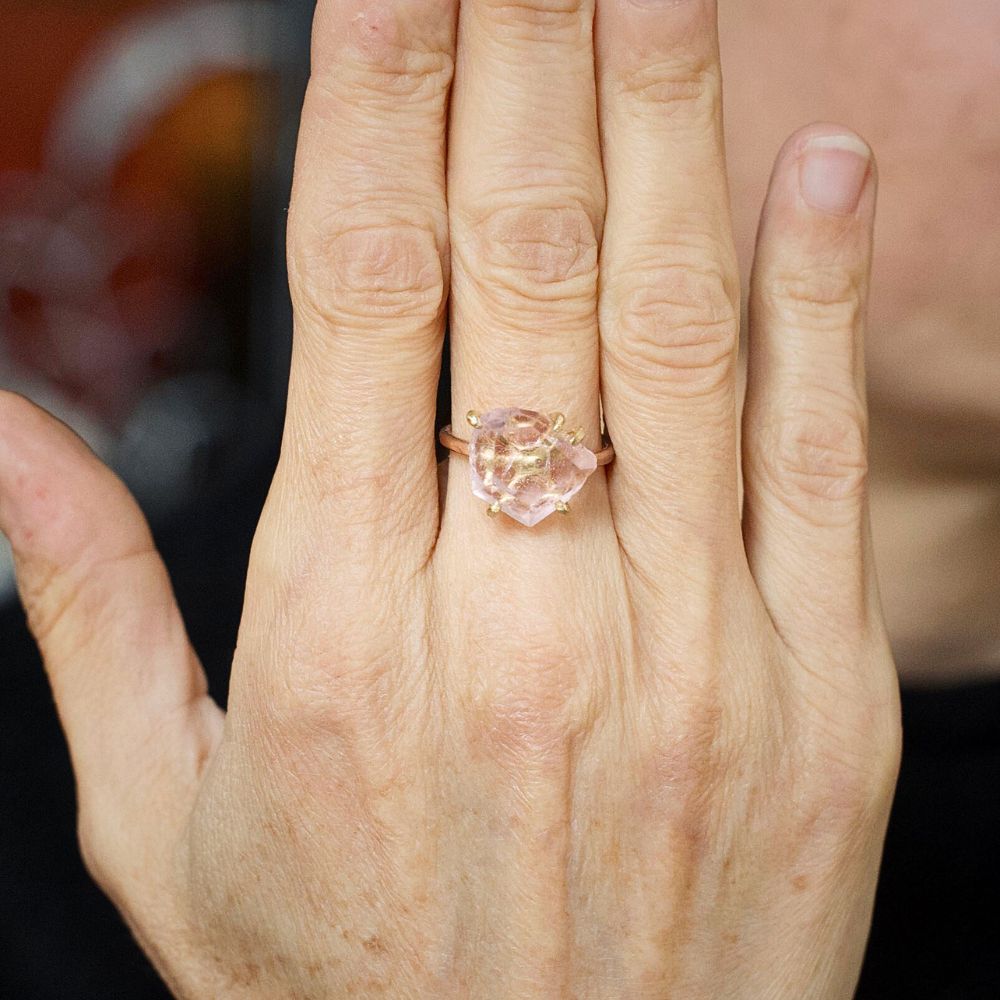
[143, 67]
[170, 444]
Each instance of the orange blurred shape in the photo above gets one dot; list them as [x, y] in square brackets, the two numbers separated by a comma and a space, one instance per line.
[179, 203]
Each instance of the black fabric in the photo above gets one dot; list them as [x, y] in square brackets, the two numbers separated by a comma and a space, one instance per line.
[935, 929]
[934, 936]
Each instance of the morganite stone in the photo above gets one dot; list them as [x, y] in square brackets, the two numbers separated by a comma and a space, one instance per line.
[516, 458]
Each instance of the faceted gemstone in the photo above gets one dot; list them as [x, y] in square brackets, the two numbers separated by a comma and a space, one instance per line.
[519, 460]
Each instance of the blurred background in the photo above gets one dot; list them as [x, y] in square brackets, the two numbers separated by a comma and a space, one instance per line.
[145, 168]
[139, 175]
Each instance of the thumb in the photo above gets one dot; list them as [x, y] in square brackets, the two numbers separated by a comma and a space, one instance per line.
[131, 694]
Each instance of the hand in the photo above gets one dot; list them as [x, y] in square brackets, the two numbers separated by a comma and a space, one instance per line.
[645, 750]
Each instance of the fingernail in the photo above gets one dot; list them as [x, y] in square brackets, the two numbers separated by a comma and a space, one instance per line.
[832, 173]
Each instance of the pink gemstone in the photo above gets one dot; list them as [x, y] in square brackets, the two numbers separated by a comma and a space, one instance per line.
[518, 460]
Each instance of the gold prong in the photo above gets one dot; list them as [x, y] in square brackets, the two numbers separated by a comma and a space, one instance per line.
[562, 506]
[473, 418]
[558, 419]
[493, 509]
[577, 436]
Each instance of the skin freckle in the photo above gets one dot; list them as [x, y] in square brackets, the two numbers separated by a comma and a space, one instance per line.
[374, 944]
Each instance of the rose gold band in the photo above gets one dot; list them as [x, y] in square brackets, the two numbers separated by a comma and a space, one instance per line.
[461, 447]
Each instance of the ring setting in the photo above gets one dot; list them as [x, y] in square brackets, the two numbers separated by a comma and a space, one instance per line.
[525, 464]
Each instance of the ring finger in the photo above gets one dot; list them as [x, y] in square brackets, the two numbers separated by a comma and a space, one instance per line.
[526, 201]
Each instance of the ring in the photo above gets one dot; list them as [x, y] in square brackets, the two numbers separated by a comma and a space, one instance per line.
[523, 463]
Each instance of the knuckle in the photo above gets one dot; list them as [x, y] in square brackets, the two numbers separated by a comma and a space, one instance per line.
[330, 685]
[351, 276]
[327, 656]
[820, 455]
[416, 76]
[822, 299]
[853, 789]
[843, 754]
[877, 739]
[527, 255]
[374, 57]
[677, 325]
[530, 711]
[678, 85]
[317, 670]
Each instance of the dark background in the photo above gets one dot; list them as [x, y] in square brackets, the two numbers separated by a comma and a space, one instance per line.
[934, 934]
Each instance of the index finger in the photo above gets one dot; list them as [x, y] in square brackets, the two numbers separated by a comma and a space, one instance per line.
[368, 253]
